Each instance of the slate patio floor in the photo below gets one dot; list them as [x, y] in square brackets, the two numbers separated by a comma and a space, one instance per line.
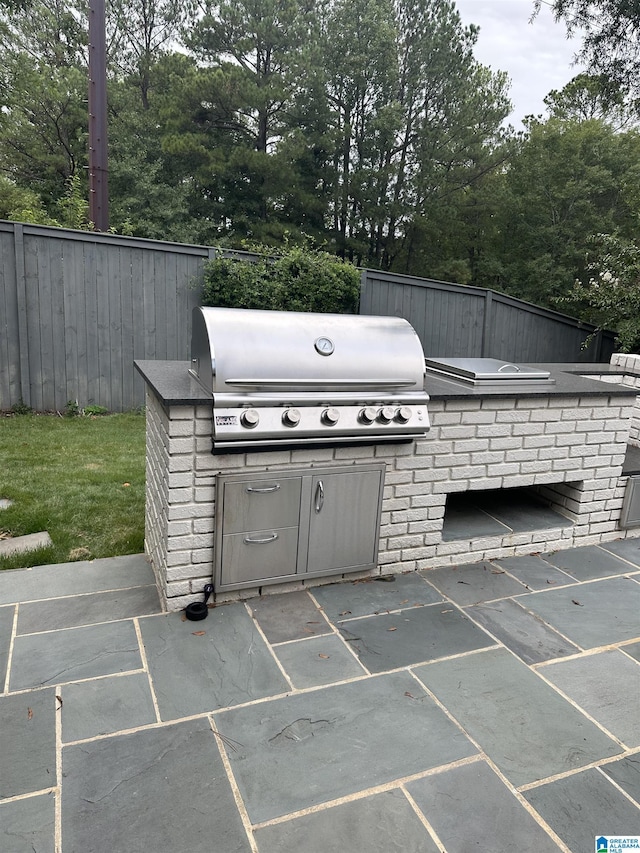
[494, 706]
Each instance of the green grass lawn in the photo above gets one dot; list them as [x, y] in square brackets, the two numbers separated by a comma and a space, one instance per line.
[80, 478]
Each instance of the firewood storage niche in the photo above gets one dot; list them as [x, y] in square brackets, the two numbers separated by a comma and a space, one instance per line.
[277, 526]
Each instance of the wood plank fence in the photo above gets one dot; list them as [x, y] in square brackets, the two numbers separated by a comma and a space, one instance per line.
[455, 320]
[76, 309]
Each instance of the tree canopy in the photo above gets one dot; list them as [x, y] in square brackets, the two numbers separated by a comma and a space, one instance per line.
[349, 122]
[611, 36]
[365, 128]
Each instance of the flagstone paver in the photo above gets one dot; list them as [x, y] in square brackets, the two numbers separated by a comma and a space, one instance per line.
[522, 723]
[469, 803]
[584, 806]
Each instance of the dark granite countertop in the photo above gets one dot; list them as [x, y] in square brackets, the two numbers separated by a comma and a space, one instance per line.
[174, 386]
[172, 383]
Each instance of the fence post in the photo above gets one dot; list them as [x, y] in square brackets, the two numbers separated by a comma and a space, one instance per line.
[363, 290]
[598, 347]
[488, 322]
[21, 299]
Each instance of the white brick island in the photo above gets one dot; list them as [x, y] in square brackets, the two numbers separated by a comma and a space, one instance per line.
[567, 444]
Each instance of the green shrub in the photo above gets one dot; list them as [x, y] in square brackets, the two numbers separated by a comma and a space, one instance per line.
[21, 408]
[72, 409]
[295, 280]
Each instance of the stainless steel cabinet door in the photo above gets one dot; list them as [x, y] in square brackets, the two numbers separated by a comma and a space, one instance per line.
[344, 520]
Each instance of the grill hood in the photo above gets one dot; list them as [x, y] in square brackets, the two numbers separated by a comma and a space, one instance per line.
[235, 350]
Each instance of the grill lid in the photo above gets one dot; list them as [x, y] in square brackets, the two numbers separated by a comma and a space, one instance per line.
[236, 350]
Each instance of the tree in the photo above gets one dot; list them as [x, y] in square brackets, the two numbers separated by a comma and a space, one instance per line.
[611, 40]
[22, 204]
[43, 85]
[140, 33]
[568, 180]
[589, 96]
[452, 135]
[414, 120]
[360, 64]
[306, 152]
[255, 48]
[255, 45]
[457, 151]
[149, 187]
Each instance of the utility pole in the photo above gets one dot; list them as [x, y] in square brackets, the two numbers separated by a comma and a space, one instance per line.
[98, 163]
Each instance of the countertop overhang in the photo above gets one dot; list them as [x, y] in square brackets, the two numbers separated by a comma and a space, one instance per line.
[172, 383]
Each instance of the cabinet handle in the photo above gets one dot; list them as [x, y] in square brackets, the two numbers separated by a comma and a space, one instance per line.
[264, 490]
[319, 500]
[249, 541]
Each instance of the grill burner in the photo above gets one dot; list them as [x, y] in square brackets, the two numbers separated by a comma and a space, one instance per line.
[281, 377]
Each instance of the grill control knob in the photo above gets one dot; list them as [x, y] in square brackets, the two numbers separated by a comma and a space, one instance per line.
[386, 414]
[330, 417]
[250, 418]
[291, 417]
[403, 414]
[367, 415]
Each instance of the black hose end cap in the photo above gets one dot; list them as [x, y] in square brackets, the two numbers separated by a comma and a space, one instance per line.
[198, 610]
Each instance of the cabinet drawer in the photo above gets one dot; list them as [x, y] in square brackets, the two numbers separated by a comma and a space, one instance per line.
[259, 554]
[259, 504]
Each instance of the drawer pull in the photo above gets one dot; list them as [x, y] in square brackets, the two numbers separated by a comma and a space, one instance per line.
[263, 541]
[264, 489]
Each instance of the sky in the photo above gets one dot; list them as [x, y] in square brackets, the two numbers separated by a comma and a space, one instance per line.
[536, 54]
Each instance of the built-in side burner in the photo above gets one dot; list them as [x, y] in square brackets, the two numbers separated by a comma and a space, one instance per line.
[489, 372]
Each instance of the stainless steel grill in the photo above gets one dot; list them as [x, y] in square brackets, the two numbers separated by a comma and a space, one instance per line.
[280, 377]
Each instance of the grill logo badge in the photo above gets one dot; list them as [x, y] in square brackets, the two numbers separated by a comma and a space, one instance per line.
[226, 420]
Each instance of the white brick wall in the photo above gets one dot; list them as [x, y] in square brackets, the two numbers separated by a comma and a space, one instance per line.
[631, 367]
[570, 448]
[577, 443]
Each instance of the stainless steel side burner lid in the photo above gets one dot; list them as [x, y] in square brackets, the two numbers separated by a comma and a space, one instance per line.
[489, 372]
[298, 378]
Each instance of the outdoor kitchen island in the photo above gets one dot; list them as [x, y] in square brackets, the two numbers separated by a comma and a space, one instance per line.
[560, 447]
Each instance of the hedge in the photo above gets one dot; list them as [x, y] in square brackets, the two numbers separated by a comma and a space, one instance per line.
[295, 280]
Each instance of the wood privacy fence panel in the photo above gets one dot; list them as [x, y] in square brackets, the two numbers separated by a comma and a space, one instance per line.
[449, 319]
[537, 335]
[76, 309]
[454, 320]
